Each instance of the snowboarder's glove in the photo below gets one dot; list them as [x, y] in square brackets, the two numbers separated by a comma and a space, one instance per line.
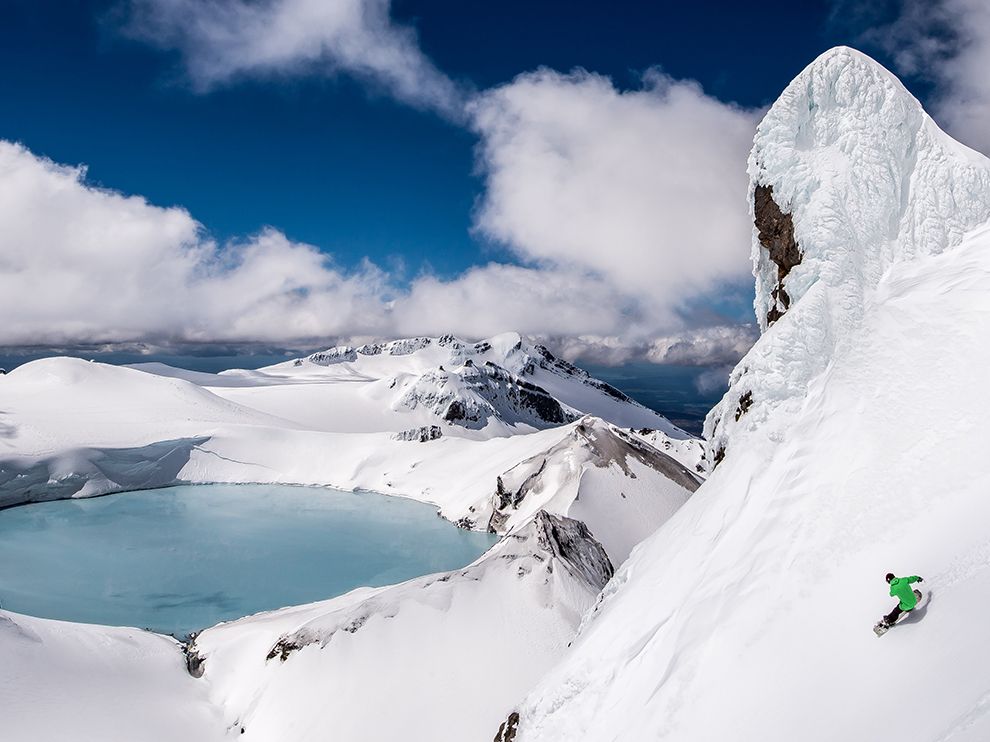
[921, 579]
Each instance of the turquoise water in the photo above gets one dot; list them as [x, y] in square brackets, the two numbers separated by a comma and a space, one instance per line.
[180, 559]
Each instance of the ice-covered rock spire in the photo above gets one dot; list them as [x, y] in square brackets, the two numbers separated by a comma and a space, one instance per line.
[848, 175]
[867, 177]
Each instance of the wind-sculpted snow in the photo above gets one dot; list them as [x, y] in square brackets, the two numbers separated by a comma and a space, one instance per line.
[439, 657]
[85, 472]
[868, 180]
[857, 447]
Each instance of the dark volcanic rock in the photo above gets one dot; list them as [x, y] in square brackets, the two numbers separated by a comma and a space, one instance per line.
[776, 234]
[195, 662]
[507, 730]
[570, 541]
[455, 411]
[745, 402]
[423, 434]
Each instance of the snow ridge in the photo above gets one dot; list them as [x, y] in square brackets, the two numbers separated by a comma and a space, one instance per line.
[416, 647]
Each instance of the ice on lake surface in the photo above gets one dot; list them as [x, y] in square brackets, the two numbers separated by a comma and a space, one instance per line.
[184, 558]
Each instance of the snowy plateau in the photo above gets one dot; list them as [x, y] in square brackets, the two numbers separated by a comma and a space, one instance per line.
[647, 585]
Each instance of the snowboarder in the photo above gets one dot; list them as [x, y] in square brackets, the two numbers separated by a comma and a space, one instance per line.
[900, 587]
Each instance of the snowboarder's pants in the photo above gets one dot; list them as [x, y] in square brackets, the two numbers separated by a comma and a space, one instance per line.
[893, 615]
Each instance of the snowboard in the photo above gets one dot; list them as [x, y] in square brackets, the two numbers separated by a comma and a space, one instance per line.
[880, 629]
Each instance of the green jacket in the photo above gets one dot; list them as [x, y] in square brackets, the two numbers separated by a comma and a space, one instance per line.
[900, 587]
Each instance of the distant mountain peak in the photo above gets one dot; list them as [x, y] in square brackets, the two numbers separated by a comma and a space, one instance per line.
[504, 379]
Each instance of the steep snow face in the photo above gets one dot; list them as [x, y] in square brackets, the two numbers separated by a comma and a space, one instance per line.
[849, 176]
[440, 657]
[747, 615]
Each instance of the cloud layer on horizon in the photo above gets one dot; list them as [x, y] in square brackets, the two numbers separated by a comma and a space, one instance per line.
[85, 264]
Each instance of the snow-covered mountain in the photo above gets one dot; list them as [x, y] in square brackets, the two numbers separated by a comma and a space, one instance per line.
[848, 445]
[498, 435]
[496, 387]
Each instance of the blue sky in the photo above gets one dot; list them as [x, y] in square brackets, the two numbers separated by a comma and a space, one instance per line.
[329, 161]
[404, 195]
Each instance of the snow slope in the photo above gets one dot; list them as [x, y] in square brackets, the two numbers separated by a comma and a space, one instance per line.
[861, 451]
[440, 657]
[67, 681]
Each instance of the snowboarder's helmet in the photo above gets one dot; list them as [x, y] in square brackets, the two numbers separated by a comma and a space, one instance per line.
[890, 576]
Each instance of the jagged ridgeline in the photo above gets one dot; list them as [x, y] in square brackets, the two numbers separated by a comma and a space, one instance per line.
[472, 384]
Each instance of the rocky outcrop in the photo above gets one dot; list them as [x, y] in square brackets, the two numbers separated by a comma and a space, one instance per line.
[623, 486]
[592, 444]
[572, 544]
[342, 354]
[195, 663]
[507, 729]
[422, 434]
[775, 232]
[745, 402]
[475, 394]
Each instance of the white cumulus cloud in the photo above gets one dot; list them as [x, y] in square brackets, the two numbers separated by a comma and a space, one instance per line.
[622, 207]
[645, 187]
[79, 263]
[221, 40]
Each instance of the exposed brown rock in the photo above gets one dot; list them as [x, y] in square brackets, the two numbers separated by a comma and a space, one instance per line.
[719, 456]
[776, 234]
[507, 730]
[745, 402]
